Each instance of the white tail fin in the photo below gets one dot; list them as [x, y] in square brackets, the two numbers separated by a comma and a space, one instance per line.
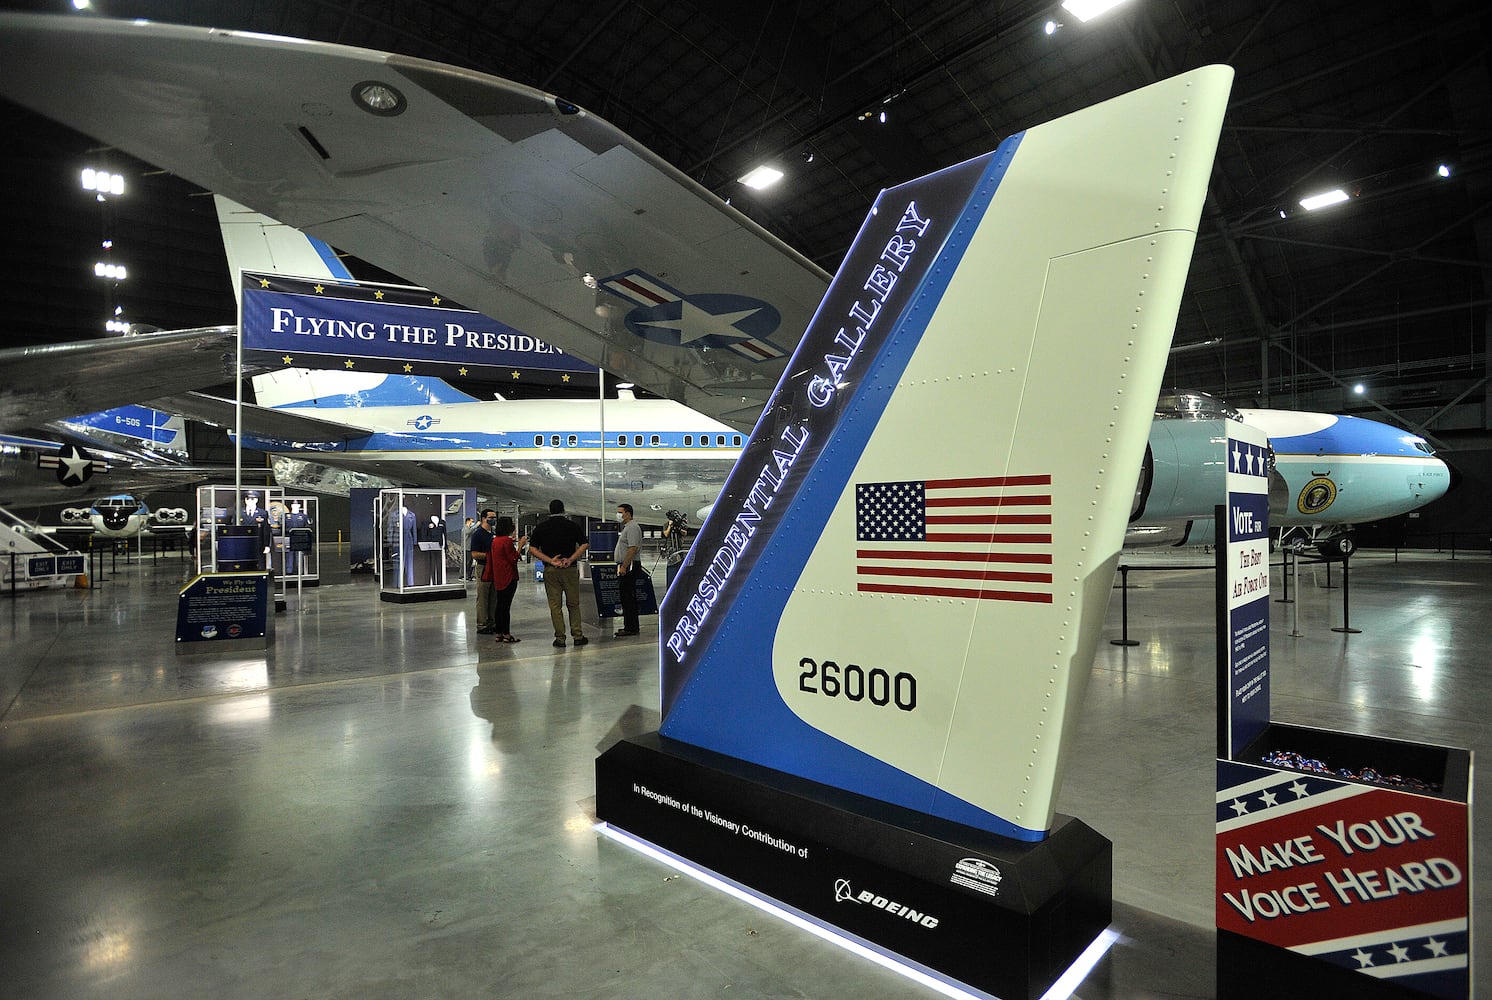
[901, 588]
[255, 242]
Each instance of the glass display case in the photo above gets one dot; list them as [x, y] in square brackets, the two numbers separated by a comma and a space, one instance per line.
[296, 542]
[418, 540]
[255, 512]
[239, 529]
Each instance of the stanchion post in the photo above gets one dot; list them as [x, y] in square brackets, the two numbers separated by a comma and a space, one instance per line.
[1346, 600]
[1285, 576]
[1124, 639]
[1295, 605]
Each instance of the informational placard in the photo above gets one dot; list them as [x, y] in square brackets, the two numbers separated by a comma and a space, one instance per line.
[609, 592]
[229, 610]
[1243, 593]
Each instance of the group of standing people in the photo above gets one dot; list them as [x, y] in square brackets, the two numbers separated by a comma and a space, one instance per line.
[560, 544]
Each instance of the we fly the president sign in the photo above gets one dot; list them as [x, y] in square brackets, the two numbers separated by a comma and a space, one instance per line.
[397, 329]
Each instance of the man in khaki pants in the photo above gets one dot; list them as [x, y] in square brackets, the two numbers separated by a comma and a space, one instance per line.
[559, 543]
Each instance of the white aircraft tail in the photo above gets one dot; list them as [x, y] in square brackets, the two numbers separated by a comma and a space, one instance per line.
[255, 242]
[901, 588]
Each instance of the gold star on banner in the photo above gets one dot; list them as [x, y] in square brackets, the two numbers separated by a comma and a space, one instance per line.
[348, 362]
[409, 368]
[435, 300]
[463, 371]
[515, 374]
[288, 360]
[263, 282]
[565, 378]
[378, 295]
[319, 289]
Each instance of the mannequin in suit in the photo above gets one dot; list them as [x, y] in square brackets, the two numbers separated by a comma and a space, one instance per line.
[407, 544]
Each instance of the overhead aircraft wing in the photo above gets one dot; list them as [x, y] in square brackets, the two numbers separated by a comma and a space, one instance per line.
[53, 381]
[514, 202]
[261, 421]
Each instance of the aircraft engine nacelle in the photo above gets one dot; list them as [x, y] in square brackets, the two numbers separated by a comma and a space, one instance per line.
[1182, 474]
[170, 517]
[76, 516]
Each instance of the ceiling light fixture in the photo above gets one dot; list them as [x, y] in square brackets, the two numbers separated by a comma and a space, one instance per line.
[761, 177]
[1051, 27]
[102, 181]
[1444, 170]
[1323, 200]
[1087, 10]
[114, 272]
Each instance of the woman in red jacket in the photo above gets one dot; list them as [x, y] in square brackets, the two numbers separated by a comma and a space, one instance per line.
[501, 569]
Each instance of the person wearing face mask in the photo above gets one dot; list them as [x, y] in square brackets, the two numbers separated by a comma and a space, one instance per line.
[628, 568]
[479, 547]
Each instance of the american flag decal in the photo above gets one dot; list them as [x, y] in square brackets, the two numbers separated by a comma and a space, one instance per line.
[988, 538]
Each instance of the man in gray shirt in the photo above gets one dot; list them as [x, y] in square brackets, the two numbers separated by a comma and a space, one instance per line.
[628, 567]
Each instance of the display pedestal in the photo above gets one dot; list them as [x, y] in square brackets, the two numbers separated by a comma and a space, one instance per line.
[415, 596]
[1001, 916]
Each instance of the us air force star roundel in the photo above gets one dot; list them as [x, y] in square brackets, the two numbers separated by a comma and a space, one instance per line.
[423, 422]
[74, 465]
[711, 320]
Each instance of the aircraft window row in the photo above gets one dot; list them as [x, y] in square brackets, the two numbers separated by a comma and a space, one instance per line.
[654, 440]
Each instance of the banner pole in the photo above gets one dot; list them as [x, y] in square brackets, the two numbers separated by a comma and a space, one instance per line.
[601, 396]
[238, 406]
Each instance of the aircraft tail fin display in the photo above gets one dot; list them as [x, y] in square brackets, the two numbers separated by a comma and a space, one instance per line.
[254, 242]
[134, 425]
[901, 588]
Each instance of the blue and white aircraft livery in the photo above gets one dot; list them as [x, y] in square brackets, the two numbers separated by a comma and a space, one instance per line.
[916, 624]
[630, 265]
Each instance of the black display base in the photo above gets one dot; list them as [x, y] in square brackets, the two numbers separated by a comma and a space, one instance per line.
[1249, 969]
[415, 596]
[998, 915]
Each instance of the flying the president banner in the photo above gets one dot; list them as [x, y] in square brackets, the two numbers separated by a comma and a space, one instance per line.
[396, 329]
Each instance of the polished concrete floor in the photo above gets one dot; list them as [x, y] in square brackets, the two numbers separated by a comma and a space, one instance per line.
[390, 806]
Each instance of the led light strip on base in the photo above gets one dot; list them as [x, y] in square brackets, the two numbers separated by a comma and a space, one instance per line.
[1063, 988]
